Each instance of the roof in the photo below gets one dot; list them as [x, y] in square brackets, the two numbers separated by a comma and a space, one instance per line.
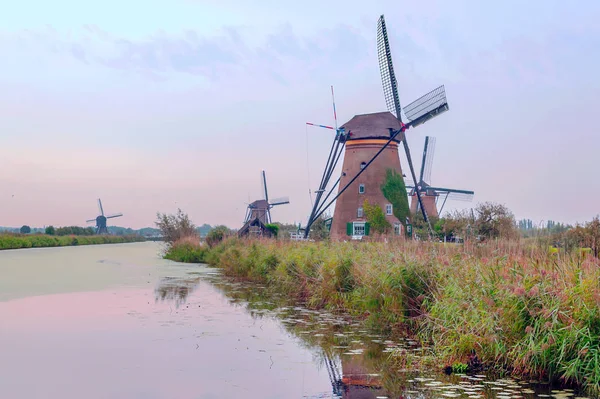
[374, 125]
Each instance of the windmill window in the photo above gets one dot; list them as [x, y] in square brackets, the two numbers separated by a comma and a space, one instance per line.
[389, 209]
[360, 212]
[363, 165]
[361, 189]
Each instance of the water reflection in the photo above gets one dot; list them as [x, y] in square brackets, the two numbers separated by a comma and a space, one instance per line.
[365, 365]
[175, 289]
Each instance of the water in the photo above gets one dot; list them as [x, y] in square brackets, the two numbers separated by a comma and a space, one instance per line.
[116, 321]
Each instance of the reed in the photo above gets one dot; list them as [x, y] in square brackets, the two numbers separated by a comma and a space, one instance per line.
[509, 305]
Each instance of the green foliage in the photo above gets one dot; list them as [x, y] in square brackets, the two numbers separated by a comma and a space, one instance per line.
[75, 231]
[394, 190]
[273, 228]
[459, 368]
[15, 241]
[25, 229]
[216, 235]
[376, 218]
[50, 231]
[186, 253]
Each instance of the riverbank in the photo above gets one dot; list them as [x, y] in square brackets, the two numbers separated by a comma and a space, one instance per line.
[18, 241]
[503, 306]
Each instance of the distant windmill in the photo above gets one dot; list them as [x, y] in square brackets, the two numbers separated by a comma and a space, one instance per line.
[258, 213]
[261, 209]
[101, 219]
[432, 194]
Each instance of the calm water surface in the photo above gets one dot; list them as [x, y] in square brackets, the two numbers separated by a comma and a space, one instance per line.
[116, 321]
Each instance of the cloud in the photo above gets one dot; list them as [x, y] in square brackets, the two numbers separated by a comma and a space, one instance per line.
[281, 55]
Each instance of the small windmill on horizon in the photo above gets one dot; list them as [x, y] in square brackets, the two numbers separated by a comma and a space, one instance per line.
[258, 213]
[431, 195]
[101, 219]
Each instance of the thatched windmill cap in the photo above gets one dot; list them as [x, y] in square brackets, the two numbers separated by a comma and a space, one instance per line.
[371, 126]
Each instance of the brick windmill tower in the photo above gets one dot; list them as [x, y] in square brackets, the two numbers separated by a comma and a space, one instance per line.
[368, 134]
[371, 155]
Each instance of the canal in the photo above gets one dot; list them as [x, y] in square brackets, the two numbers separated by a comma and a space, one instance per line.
[117, 321]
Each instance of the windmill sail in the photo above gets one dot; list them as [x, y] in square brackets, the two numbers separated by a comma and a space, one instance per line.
[428, 152]
[116, 215]
[427, 107]
[390, 91]
[264, 186]
[386, 69]
[280, 201]
[100, 207]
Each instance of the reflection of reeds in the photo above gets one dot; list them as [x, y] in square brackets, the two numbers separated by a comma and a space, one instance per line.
[175, 290]
[504, 304]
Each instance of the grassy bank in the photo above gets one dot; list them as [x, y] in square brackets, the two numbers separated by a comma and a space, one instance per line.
[17, 241]
[502, 305]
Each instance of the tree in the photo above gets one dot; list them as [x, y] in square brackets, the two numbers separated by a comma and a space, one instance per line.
[319, 229]
[50, 230]
[25, 229]
[175, 227]
[494, 221]
[456, 224]
[376, 218]
[593, 232]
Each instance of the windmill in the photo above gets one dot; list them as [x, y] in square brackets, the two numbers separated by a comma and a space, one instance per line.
[258, 213]
[432, 195]
[371, 135]
[101, 219]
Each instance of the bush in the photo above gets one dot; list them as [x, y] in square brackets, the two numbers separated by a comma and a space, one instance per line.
[216, 235]
[175, 227]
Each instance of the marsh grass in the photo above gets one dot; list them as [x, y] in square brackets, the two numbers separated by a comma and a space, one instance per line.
[18, 241]
[511, 305]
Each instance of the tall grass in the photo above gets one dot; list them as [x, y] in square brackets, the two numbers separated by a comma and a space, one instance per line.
[509, 305]
[17, 241]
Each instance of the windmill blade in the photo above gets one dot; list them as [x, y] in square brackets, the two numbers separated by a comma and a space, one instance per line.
[100, 207]
[427, 107]
[280, 201]
[428, 159]
[386, 69]
[390, 91]
[264, 186]
[116, 215]
[454, 194]
[323, 126]
[90, 221]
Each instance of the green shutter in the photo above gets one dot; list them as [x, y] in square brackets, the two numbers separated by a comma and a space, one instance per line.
[349, 228]
[367, 228]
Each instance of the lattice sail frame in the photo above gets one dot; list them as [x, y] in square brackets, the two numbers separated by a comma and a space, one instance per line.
[427, 165]
[386, 69]
[427, 106]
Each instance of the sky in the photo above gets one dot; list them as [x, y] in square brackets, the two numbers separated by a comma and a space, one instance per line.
[156, 105]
